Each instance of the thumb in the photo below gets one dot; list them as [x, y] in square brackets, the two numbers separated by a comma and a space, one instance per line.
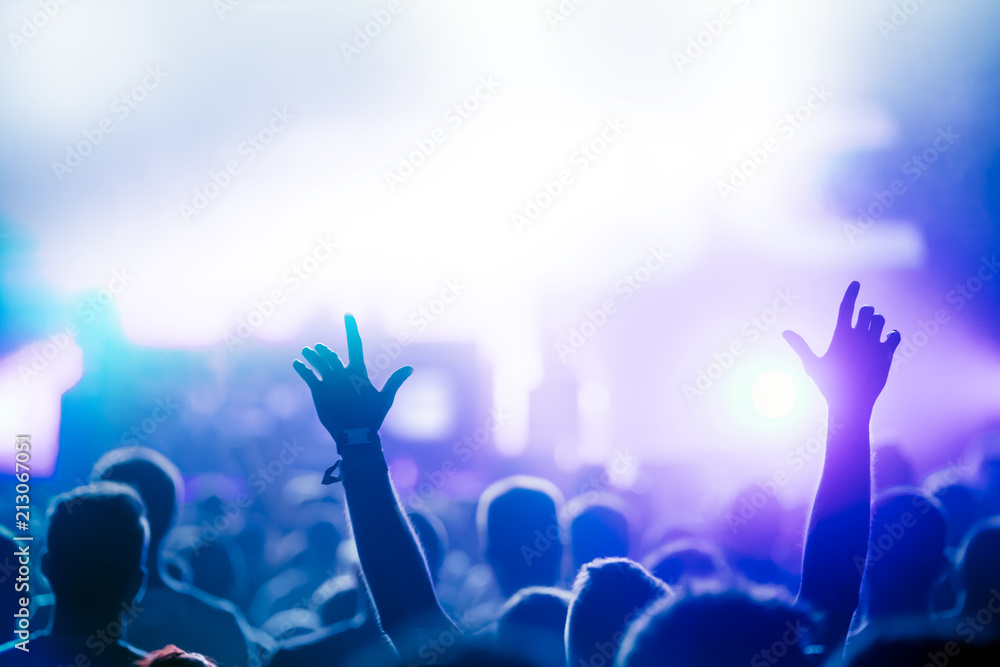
[394, 382]
[800, 347]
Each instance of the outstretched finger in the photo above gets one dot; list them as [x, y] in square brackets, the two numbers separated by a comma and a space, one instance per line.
[306, 374]
[331, 358]
[355, 352]
[846, 313]
[394, 382]
[318, 362]
[865, 316]
[875, 328]
[892, 342]
[800, 347]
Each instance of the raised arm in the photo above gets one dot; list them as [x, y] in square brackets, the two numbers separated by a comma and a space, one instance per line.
[352, 410]
[850, 376]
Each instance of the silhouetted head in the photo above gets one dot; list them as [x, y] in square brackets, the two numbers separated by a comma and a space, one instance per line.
[683, 560]
[96, 550]
[215, 567]
[532, 624]
[724, 629]
[171, 656]
[753, 525]
[518, 521]
[322, 539]
[599, 530]
[433, 540]
[153, 475]
[979, 572]
[906, 553]
[609, 594]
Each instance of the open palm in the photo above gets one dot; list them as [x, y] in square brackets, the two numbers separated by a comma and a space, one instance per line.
[343, 395]
[855, 368]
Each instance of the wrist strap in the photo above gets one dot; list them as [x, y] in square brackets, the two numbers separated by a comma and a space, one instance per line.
[358, 436]
[328, 477]
[358, 447]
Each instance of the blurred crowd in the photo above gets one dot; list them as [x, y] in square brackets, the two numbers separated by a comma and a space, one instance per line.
[893, 567]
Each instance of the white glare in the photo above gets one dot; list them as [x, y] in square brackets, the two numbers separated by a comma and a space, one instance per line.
[774, 394]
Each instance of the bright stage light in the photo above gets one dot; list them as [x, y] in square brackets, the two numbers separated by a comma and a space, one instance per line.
[424, 410]
[32, 383]
[774, 394]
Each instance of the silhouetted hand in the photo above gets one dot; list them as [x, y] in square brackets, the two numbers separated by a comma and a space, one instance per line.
[394, 568]
[854, 369]
[344, 397]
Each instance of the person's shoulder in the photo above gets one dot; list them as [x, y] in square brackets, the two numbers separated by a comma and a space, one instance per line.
[224, 617]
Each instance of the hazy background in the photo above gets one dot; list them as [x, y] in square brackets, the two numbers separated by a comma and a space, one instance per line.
[496, 312]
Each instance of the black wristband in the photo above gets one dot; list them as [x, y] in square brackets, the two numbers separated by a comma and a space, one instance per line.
[352, 438]
[358, 448]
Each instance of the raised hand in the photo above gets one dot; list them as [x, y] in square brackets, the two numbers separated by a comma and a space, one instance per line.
[850, 375]
[854, 369]
[395, 571]
[344, 397]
